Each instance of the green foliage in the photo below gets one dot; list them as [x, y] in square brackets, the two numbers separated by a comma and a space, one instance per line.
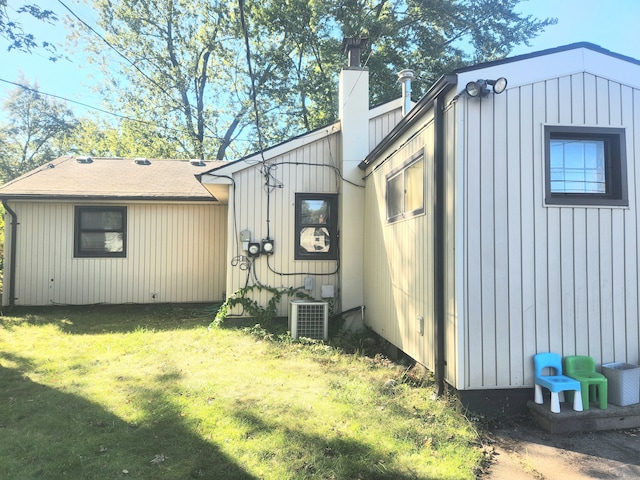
[186, 69]
[35, 132]
[11, 29]
[178, 73]
[126, 138]
[252, 308]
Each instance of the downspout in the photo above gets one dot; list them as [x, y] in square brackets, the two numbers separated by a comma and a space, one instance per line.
[439, 240]
[12, 261]
[433, 99]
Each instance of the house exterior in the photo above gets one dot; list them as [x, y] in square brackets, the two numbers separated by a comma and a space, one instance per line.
[527, 238]
[311, 183]
[111, 230]
[494, 219]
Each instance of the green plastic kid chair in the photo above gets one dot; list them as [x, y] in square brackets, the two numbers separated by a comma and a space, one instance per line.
[583, 369]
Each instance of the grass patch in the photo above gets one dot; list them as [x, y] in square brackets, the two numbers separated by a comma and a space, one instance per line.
[150, 392]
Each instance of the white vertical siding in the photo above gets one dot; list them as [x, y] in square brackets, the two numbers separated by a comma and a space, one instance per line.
[312, 168]
[538, 277]
[454, 340]
[175, 253]
[399, 257]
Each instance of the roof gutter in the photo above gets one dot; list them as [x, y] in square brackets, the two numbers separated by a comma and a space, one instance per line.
[439, 89]
[12, 260]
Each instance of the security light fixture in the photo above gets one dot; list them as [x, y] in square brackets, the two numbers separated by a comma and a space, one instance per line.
[499, 85]
[480, 88]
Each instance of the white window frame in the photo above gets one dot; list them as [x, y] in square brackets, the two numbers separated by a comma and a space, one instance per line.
[396, 204]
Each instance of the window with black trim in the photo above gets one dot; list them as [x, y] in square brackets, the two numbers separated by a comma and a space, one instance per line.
[585, 166]
[100, 232]
[316, 226]
[405, 190]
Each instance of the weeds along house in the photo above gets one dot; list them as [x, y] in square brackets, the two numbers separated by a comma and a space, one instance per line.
[477, 228]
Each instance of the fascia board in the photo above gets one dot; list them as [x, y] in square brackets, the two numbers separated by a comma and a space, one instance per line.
[106, 198]
[386, 108]
[555, 65]
[213, 176]
[444, 84]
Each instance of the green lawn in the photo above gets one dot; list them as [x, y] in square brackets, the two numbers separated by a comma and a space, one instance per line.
[153, 393]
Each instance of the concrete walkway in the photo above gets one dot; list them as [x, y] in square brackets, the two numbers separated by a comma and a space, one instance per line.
[523, 451]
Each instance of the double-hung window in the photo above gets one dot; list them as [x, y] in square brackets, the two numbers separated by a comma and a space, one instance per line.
[585, 166]
[405, 190]
[316, 226]
[100, 231]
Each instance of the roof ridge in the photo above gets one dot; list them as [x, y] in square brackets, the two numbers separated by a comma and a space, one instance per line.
[548, 51]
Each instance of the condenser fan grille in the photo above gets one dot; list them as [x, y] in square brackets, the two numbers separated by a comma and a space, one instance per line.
[309, 319]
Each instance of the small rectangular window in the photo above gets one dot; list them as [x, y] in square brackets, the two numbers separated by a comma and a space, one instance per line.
[100, 232]
[585, 166]
[405, 190]
[316, 226]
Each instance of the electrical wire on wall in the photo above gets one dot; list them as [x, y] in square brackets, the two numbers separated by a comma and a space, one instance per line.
[237, 256]
[277, 184]
[272, 184]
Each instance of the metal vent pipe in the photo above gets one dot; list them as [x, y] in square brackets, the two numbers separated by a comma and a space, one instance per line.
[405, 77]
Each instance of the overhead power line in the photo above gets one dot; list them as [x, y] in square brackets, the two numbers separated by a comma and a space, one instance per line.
[113, 47]
[133, 64]
[35, 90]
[91, 107]
[254, 99]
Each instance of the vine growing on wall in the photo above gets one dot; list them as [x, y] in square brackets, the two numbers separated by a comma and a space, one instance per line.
[252, 308]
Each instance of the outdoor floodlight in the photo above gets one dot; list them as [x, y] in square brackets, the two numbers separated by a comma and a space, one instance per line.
[480, 88]
[499, 85]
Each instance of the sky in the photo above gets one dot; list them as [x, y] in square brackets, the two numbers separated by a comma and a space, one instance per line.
[611, 24]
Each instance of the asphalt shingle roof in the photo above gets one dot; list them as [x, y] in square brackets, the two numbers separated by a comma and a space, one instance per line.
[117, 178]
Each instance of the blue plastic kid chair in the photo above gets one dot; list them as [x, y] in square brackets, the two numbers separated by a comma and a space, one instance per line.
[556, 382]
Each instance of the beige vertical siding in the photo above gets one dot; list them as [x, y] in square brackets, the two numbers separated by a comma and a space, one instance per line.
[175, 253]
[399, 262]
[536, 277]
[312, 168]
[381, 125]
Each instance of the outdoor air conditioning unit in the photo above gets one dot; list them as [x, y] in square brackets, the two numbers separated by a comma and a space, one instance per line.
[309, 319]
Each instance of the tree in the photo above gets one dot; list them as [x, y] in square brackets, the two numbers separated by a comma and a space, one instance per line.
[163, 55]
[12, 31]
[35, 130]
[126, 138]
[184, 63]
